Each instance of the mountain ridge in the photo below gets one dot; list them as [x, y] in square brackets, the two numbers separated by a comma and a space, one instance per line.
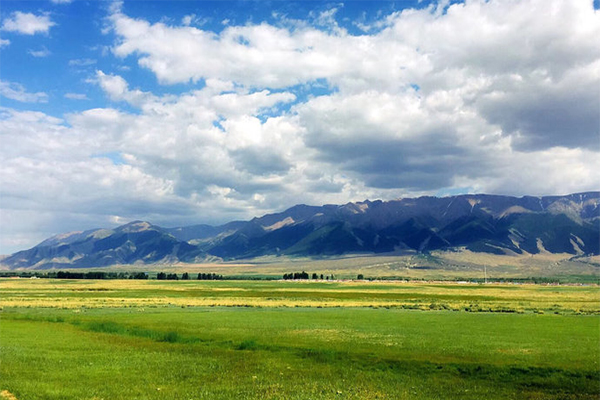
[482, 223]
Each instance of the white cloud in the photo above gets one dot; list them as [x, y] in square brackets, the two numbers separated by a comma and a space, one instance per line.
[254, 55]
[61, 1]
[82, 62]
[327, 19]
[445, 84]
[4, 42]
[188, 19]
[118, 89]
[27, 23]
[76, 96]
[16, 91]
[555, 171]
[43, 52]
[192, 19]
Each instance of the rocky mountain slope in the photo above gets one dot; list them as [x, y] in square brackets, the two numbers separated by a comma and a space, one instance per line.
[136, 242]
[483, 223]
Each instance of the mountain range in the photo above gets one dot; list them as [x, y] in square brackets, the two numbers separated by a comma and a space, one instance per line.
[480, 223]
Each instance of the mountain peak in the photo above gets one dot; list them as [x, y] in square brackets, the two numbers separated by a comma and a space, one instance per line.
[136, 226]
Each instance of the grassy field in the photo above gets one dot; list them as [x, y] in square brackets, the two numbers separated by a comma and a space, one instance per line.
[75, 294]
[63, 339]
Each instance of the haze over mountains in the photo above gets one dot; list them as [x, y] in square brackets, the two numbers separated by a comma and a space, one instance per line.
[482, 223]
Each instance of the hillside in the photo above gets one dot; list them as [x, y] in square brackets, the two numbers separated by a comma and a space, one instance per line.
[480, 223]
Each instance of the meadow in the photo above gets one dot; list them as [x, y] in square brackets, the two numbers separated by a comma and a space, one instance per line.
[129, 339]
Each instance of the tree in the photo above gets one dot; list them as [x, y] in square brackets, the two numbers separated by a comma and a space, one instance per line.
[185, 276]
[139, 275]
[95, 275]
[161, 276]
[360, 277]
[315, 276]
[212, 276]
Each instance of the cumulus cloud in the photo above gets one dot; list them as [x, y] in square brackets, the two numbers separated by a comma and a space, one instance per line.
[485, 47]
[253, 55]
[27, 23]
[4, 42]
[16, 91]
[118, 89]
[434, 94]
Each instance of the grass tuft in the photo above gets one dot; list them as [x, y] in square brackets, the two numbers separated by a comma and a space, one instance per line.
[249, 344]
[171, 337]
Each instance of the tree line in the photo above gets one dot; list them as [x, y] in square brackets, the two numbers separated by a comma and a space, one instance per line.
[305, 275]
[161, 276]
[107, 275]
[75, 275]
[98, 275]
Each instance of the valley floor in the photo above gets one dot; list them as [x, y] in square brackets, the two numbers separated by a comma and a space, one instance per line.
[437, 265]
[86, 339]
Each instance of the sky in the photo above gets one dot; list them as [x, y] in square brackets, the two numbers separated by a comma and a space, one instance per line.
[188, 112]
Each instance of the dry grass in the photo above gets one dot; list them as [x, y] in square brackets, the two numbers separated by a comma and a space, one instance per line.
[439, 265]
[5, 394]
[495, 260]
[70, 294]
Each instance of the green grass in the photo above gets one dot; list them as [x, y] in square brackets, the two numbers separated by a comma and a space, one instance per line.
[342, 352]
[175, 353]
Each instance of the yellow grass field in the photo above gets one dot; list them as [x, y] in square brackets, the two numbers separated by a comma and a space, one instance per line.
[80, 294]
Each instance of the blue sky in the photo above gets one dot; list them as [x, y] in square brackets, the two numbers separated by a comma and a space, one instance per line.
[76, 46]
[182, 112]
